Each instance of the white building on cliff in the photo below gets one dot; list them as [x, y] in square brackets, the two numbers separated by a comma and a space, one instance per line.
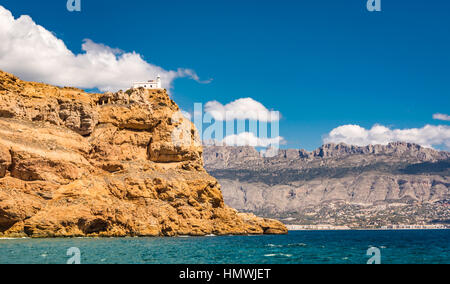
[150, 84]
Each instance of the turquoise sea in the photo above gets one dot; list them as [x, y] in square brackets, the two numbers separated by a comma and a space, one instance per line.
[424, 246]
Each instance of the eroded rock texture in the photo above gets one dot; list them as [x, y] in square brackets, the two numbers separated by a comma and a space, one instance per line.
[113, 164]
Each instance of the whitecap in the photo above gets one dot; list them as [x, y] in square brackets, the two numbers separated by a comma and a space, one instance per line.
[13, 238]
[297, 245]
[278, 254]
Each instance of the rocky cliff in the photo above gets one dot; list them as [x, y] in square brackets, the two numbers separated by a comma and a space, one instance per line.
[371, 186]
[113, 164]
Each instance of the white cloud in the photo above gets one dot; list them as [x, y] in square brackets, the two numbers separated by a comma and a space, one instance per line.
[241, 109]
[428, 136]
[440, 116]
[35, 54]
[247, 139]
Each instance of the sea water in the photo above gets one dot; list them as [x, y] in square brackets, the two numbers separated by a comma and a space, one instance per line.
[421, 246]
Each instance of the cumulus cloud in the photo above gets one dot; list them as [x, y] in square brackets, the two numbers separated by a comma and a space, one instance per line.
[428, 136]
[247, 139]
[440, 116]
[36, 54]
[241, 109]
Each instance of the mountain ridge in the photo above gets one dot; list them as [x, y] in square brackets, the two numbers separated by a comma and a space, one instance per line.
[329, 150]
[342, 180]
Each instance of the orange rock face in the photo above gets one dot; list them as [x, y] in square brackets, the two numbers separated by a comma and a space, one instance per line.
[122, 164]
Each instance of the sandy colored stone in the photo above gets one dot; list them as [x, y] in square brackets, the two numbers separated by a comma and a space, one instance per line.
[113, 164]
[5, 160]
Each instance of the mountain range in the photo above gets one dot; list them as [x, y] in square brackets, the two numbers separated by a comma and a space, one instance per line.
[340, 185]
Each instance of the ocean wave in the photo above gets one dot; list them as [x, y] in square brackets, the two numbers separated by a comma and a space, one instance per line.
[278, 254]
[13, 238]
[297, 245]
[287, 245]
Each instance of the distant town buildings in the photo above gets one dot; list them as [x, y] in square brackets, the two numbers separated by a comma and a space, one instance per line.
[326, 227]
[316, 227]
[415, 227]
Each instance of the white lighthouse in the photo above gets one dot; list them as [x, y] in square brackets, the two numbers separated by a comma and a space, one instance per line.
[150, 84]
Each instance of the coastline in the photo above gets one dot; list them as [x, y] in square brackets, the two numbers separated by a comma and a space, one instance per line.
[206, 236]
[384, 228]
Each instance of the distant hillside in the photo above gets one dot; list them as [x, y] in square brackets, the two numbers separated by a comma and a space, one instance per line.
[399, 183]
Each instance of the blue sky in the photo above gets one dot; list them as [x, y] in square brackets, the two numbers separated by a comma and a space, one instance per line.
[321, 64]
